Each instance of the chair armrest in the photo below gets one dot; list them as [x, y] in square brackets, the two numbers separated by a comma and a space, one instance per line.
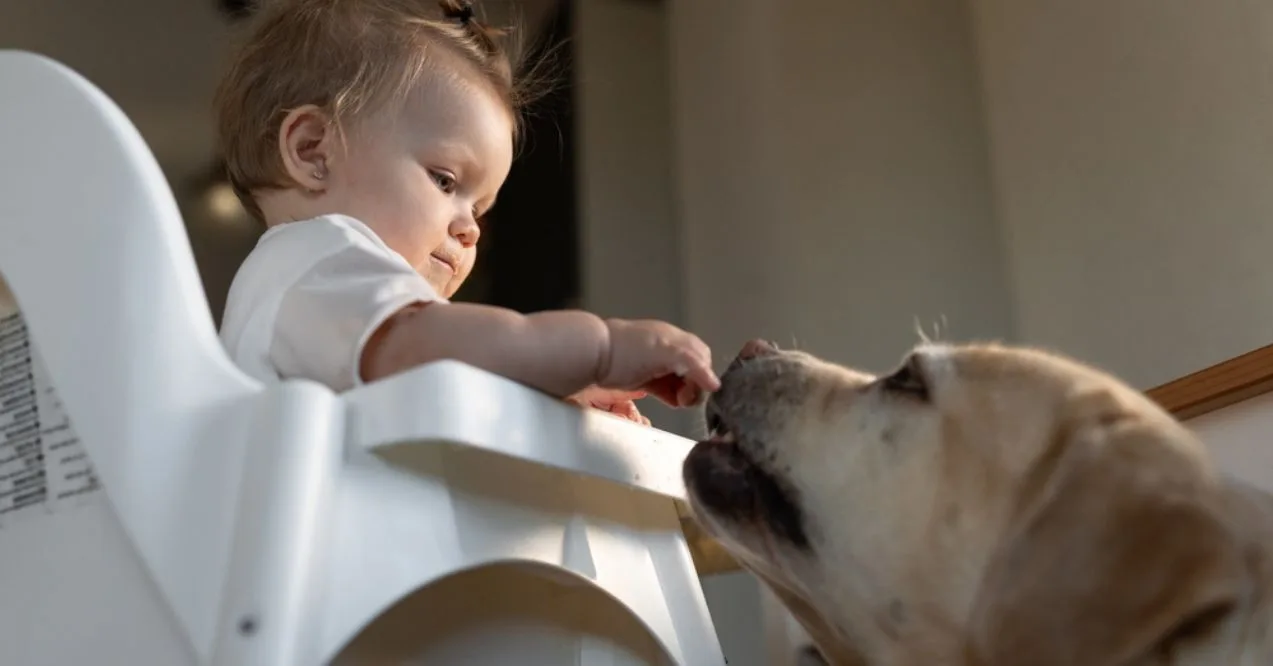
[455, 403]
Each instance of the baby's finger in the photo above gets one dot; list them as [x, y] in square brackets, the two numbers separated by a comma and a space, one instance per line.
[689, 395]
[665, 388]
[636, 415]
[704, 352]
[701, 375]
[627, 410]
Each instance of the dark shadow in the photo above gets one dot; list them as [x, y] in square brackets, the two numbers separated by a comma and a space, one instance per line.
[529, 255]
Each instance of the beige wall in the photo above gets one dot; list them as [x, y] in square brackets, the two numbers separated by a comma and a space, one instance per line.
[721, 189]
[1089, 176]
[629, 234]
[1133, 164]
[833, 175]
[1238, 437]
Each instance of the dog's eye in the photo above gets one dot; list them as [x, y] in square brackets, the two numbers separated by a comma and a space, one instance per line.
[908, 379]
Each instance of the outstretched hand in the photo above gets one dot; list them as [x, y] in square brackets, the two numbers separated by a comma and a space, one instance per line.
[678, 391]
[658, 359]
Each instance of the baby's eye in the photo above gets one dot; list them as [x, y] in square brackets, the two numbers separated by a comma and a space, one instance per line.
[444, 180]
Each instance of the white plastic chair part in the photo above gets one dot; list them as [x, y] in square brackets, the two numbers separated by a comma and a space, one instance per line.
[515, 422]
[92, 246]
[580, 510]
[242, 524]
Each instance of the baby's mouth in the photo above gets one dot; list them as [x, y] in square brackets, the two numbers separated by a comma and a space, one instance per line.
[444, 262]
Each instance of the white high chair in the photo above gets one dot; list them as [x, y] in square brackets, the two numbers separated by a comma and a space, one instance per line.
[445, 516]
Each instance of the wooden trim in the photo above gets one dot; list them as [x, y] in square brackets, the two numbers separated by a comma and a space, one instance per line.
[1207, 390]
[1226, 383]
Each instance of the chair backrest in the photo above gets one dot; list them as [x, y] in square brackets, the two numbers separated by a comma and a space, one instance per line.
[94, 250]
[93, 247]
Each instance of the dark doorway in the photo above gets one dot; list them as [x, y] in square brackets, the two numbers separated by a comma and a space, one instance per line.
[529, 254]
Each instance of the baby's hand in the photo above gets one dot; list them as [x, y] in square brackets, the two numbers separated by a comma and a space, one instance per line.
[660, 359]
[619, 403]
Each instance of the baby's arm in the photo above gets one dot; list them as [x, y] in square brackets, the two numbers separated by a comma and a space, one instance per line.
[557, 352]
[351, 311]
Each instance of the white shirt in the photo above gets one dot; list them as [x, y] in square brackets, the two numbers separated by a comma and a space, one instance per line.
[310, 294]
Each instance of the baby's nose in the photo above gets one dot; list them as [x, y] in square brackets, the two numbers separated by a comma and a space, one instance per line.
[467, 232]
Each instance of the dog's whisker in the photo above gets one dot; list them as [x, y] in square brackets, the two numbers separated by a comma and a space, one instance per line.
[919, 330]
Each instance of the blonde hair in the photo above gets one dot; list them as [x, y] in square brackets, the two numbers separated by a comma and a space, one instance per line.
[347, 57]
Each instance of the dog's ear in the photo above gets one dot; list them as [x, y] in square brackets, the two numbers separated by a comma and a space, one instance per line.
[1120, 551]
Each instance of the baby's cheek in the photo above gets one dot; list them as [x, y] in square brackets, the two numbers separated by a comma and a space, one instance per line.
[443, 282]
[447, 288]
[461, 275]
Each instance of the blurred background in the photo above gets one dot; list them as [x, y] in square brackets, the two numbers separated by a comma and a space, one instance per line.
[1095, 176]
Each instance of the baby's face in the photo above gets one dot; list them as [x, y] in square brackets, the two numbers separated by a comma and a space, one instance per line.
[421, 176]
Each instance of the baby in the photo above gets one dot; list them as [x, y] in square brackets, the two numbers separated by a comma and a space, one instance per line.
[371, 136]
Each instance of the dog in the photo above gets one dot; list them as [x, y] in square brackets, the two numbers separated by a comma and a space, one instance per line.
[982, 505]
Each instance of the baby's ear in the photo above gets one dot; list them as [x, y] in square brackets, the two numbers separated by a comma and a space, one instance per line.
[306, 139]
[1126, 552]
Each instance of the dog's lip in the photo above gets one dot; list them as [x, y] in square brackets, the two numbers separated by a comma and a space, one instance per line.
[714, 461]
[721, 439]
[712, 415]
[724, 480]
[715, 424]
[721, 435]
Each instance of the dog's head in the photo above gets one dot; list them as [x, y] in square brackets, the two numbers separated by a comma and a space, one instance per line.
[1002, 504]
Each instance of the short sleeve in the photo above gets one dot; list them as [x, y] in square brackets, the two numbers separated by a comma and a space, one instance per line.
[327, 315]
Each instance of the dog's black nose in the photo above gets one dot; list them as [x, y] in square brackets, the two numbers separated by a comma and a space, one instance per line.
[755, 348]
[752, 349]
